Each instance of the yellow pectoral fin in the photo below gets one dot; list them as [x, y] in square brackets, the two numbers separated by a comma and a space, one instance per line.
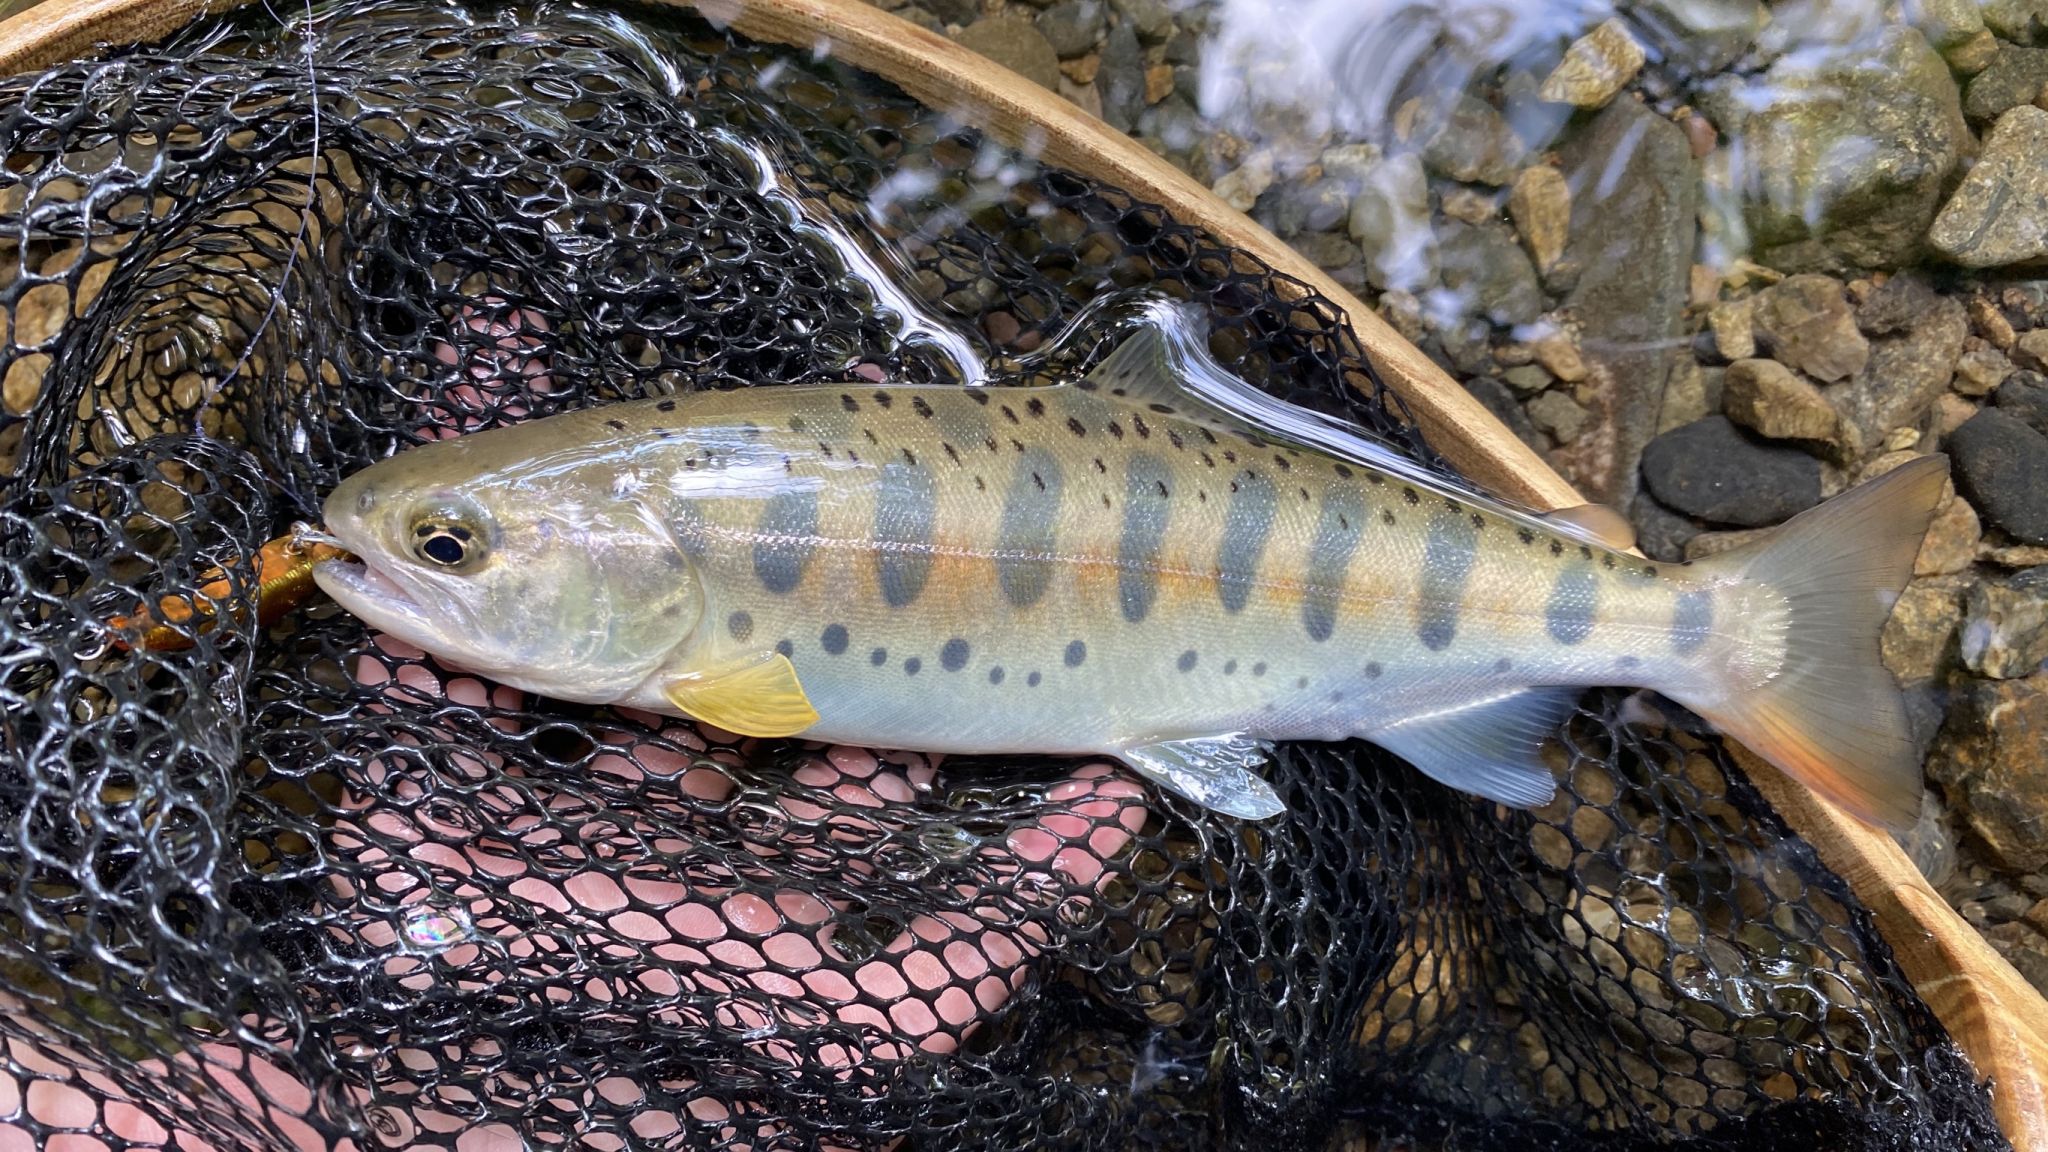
[759, 699]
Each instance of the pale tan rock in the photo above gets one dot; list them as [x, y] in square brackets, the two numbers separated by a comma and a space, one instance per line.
[1981, 370]
[1951, 542]
[1158, 83]
[1559, 353]
[1950, 411]
[1733, 328]
[1242, 187]
[1595, 68]
[1541, 207]
[2031, 350]
[1777, 402]
[1920, 637]
[1991, 324]
[1692, 392]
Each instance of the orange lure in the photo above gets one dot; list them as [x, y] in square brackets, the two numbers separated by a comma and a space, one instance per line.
[284, 578]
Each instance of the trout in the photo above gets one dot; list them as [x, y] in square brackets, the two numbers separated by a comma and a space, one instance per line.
[1115, 566]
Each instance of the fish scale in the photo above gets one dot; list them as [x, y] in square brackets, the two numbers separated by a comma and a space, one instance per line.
[1115, 565]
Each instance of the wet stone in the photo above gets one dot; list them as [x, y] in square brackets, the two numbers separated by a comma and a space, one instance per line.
[1715, 471]
[1947, 24]
[1595, 68]
[1660, 533]
[1016, 43]
[1152, 19]
[2002, 469]
[1122, 78]
[1733, 325]
[2014, 77]
[2005, 625]
[1694, 391]
[1484, 263]
[1981, 370]
[1850, 148]
[1772, 399]
[1806, 324]
[1919, 638]
[1905, 374]
[2031, 350]
[1560, 415]
[1999, 214]
[1701, 36]
[1468, 141]
[1541, 207]
[1241, 187]
[2020, 21]
[1499, 401]
[1390, 221]
[1073, 27]
[1992, 761]
[2024, 396]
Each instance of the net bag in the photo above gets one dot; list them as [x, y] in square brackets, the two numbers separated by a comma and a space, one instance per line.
[293, 885]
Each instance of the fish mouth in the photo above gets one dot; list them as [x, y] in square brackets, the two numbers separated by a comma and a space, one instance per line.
[376, 599]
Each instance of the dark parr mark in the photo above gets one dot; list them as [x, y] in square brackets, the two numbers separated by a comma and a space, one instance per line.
[1246, 525]
[1229, 667]
[1692, 620]
[1447, 556]
[1032, 680]
[833, 639]
[1186, 663]
[906, 505]
[953, 657]
[1146, 509]
[878, 657]
[1329, 557]
[912, 665]
[995, 674]
[1076, 652]
[1029, 528]
[1573, 598]
[740, 625]
[784, 539]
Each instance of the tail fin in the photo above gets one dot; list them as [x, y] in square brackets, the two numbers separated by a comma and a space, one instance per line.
[1834, 718]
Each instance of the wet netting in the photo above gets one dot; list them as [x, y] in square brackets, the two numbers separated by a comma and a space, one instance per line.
[294, 886]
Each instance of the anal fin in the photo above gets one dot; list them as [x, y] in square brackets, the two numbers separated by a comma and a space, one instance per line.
[1489, 747]
[762, 698]
[1213, 771]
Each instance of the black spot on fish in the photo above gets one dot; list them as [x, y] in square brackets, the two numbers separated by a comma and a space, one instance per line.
[1105, 500]
[670, 406]
[1503, 665]
[1650, 570]
[1186, 663]
[918, 405]
[995, 674]
[912, 665]
[1162, 409]
[1387, 515]
[1230, 667]
[1478, 521]
[980, 485]
[1076, 427]
[833, 639]
[1373, 670]
[616, 425]
[1033, 679]
[878, 657]
[825, 449]
[992, 445]
[1525, 536]
[1174, 439]
[1076, 652]
[1086, 385]
[1301, 682]
[1557, 548]
[910, 457]
[870, 434]
[847, 402]
[785, 647]
[1259, 669]
[1281, 462]
[1114, 429]
[1100, 466]
[1607, 562]
[853, 456]
[953, 656]
[1038, 480]
[1341, 470]
[1304, 494]
[1628, 662]
[952, 453]
[1035, 406]
[1139, 426]
[978, 396]
[1375, 479]
[1017, 444]
[1208, 461]
[1585, 553]
[1162, 488]
[740, 625]
[1409, 495]
[1010, 415]
[883, 399]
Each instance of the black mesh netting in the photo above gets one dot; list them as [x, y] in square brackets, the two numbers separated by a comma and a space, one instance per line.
[296, 886]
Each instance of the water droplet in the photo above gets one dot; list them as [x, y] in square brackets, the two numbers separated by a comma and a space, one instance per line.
[948, 841]
[435, 929]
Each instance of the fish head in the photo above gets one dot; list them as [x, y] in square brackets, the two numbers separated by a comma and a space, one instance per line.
[535, 573]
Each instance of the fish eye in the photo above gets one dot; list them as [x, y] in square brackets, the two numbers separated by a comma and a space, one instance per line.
[443, 538]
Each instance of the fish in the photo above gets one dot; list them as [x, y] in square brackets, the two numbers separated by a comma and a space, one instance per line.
[1114, 564]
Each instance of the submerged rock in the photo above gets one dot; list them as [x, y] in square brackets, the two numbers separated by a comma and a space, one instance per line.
[1541, 207]
[2002, 468]
[1850, 148]
[1467, 140]
[1805, 324]
[1701, 36]
[1016, 43]
[1595, 68]
[1919, 637]
[1712, 470]
[2024, 395]
[1773, 400]
[1999, 214]
[1390, 221]
[1905, 373]
[2005, 626]
[1992, 760]
[2014, 77]
[1635, 205]
[1483, 262]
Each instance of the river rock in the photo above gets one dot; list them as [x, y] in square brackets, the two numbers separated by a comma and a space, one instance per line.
[1848, 147]
[2014, 77]
[1635, 206]
[1773, 400]
[1733, 324]
[2002, 468]
[1499, 401]
[1906, 373]
[2020, 21]
[1919, 637]
[1950, 545]
[1660, 532]
[1805, 323]
[1694, 391]
[1992, 760]
[1595, 68]
[1390, 221]
[1947, 24]
[1999, 214]
[1541, 207]
[1241, 187]
[1122, 79]
[2024, 395]
[1484, 264]
[2031, 350]
[1981, 370]
[1073, 27]
[1713, 470]
[1467, 140]
[2005, 625]
[1016, 43]
[1700, 37]
[1560, 415]
[1151, 19]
